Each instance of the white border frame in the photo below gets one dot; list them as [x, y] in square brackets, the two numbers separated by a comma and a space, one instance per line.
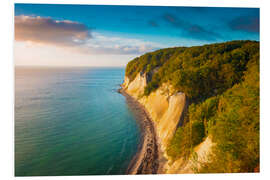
[7, 83]
[209, 3]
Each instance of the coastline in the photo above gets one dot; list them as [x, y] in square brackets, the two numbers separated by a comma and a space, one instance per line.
[146, 160]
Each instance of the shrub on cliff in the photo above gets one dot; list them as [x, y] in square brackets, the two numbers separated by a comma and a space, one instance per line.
[197, 133]
[180, 144]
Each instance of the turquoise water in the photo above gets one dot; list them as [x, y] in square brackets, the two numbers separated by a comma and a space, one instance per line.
[72, 121]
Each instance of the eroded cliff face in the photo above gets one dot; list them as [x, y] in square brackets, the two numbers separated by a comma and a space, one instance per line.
[165, 107]
[200, 155]
[136, 87]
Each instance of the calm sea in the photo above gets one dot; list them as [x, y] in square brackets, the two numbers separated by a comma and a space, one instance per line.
[72, 121]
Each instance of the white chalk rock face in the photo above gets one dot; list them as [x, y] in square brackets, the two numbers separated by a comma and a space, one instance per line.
[126, 82]
[136, 87]
[165, 111]
[168, 123]
[164, 106]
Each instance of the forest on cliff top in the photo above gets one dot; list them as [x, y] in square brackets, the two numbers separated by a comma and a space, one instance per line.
[221, 82]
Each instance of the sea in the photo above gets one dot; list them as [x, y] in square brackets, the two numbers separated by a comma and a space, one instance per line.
[72, 121]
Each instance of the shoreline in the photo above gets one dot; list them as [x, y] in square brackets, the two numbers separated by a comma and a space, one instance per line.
[146, 160]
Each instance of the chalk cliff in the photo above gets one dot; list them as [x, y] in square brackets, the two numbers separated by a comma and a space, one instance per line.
[165, 107]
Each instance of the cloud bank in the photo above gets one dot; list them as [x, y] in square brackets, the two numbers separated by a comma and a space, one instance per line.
[76, 36]
[49, 31]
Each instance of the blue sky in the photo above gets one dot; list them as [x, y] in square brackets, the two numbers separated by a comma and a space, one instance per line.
[124, 32]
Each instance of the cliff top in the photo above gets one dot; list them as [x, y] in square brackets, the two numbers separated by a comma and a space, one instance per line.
[200, 71]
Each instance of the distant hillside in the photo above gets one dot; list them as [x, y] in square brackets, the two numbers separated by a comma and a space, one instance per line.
[221, 82]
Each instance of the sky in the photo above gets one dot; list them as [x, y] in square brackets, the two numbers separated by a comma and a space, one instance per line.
[100, 35]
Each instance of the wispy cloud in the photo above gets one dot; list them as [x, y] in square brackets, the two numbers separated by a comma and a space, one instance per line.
[191, 31]
[245, 23]
[101, 44]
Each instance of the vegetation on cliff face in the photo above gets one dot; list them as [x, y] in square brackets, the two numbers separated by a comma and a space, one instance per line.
[200, 71]
[235, 126]
[222, 83]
